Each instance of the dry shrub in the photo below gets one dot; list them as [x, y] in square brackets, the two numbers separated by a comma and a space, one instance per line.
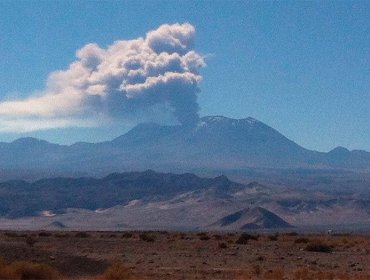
[61, 235]
[222, 245]
[182, 236]
[245, 237]
[301, 240]
[30, 241]
[127, 235]
[273, 237]
[44, 234]
[11, 234]
[344, 240]
[203, 236]
[217, 237]
[147, 237]
[82, 234]
[256, 270]
[293, 233]
[28, 270]
[22, 270]
[253, 272]
[319, 247]
[117, 271]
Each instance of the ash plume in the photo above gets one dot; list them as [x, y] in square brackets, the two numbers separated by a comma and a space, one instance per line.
[147, 78]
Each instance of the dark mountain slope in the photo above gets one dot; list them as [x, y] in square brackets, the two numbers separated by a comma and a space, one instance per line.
[251, 218]
[20, 198]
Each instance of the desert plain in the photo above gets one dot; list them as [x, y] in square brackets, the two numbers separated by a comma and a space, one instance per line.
[182, 255]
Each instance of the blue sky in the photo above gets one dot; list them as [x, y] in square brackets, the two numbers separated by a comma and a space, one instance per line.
[301, 67]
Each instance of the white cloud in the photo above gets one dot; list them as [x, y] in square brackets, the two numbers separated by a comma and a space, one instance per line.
[29, 125]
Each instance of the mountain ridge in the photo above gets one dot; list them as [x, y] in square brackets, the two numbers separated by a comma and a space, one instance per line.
[56, 194]
[213, 118]
[215, 143]
[154, 200]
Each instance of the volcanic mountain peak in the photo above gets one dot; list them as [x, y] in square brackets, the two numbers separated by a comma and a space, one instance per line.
[218, 118]
[221, 120]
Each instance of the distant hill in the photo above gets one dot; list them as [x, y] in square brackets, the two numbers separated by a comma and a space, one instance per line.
[251, 218]
[217, 143]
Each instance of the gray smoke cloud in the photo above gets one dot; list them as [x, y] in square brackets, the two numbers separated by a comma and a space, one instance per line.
[130, 81]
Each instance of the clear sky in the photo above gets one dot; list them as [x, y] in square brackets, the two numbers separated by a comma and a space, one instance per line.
[301, 67]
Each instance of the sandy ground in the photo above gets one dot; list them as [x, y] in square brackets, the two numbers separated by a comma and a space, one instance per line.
[163, 255]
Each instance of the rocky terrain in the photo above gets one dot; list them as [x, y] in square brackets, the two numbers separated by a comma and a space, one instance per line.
[184, 255]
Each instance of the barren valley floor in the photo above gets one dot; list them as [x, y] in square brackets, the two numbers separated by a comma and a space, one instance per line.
[175, 255]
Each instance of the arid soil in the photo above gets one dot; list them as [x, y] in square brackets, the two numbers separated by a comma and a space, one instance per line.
[173, 255]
